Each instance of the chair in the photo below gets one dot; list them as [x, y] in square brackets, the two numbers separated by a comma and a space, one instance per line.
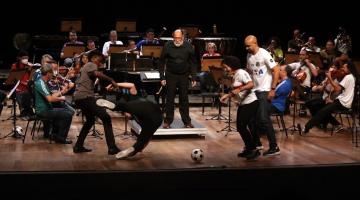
[281, 116]
[37, 122]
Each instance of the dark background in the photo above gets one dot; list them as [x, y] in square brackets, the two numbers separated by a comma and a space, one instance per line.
[234, 19]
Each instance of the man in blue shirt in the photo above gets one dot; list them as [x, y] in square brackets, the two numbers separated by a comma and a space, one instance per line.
[150, 39]
[282, 91]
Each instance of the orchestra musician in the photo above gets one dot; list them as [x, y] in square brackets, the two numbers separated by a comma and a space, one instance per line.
[344, 101]
[72, 40]
[328, 96]
[295, 44]
[149, 39]
[113, 40]
[206, 80]
[23, 96]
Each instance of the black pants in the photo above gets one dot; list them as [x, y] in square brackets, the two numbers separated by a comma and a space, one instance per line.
[263, 118]
[90, 110]
[174, 81]
[324, 113]
[147, 114]
[317, 104]
[245, 124]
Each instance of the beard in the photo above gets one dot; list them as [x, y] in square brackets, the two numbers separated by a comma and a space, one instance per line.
[178, 44]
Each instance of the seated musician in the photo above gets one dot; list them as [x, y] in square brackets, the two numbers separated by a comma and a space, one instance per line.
[90, 45]
[328, 96]
[310, 45]
[344, 101]
[60, 117]
[282, 91]
[113, 40]
[149, 39]
[329, 54]
[72, 40]
[275, 50]
[303, 71]
[206, 80]
[23, 96]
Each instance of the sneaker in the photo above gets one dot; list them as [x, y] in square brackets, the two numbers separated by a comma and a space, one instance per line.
[105, 104]
[166, 125]
[259, 146]
[253, 154]
[81, 149]
[190, 125]
[113, 150]
[125, 153]
[338, 128]
[272, 152]
[244, 153]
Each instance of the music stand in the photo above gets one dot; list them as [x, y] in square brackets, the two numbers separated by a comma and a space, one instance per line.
[210, 61]
[218, 75]
[126, 26]
[228, 128]
[70, 50]
[71, 25]
[117, 48]
[152, 50]
[12, 95]
[122, 61]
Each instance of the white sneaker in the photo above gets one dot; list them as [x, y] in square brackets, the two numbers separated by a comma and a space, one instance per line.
[105, 103]
[338, 128]
[125, 153]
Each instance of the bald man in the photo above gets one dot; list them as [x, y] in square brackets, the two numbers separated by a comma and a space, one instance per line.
[179, 57]
[265, 75]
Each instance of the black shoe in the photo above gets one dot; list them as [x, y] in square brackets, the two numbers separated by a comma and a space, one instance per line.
[113, 151]
[253, 154]
[189, 125]
[80, 149]
[244, 153]
[272, 151]
[63, 141]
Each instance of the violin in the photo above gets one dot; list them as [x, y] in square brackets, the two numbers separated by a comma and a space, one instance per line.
[301, 76]
[339, 74]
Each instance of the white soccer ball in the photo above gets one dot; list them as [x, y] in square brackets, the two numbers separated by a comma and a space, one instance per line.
[197, 155]
[19, 130]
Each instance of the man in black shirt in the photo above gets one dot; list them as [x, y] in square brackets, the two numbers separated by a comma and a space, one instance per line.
[179, 58]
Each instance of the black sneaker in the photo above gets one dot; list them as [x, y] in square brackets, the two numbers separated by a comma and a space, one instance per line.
[81, 149]
[113, 150]
[244, 153]
[272, 152]
[253, 154]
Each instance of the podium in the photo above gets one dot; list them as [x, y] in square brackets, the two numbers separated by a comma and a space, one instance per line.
[70, 50]
[211, 61]
[153, 50]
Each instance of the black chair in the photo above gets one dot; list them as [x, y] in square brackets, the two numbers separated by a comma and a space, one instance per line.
[281, 116]
[37, 121]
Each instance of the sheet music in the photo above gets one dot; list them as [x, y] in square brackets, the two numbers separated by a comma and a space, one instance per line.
[13, 90]
[152, 75]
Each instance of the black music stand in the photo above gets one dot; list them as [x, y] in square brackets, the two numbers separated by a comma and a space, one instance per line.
[12, 94]
[152, 50]
[228, 128]
[70, 50]
[122, 61]
[218, 75]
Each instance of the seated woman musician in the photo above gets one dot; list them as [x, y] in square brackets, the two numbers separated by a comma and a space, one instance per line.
[205, 79]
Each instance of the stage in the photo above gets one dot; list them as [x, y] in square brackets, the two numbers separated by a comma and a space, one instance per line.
[165, 165]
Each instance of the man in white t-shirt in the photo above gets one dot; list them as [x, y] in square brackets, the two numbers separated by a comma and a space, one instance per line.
[342, 102]
[265, 74]
[113, 40]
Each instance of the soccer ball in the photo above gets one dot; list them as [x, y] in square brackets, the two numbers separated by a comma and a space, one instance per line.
[197, 155]
[19, 130]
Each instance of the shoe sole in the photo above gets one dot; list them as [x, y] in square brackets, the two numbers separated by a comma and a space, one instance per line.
[272, 154]
[106, 104]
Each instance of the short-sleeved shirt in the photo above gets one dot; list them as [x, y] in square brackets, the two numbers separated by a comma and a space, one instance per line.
[347, 96]
[85, 83]
[241, 77]
[260, 66]
[41, 92]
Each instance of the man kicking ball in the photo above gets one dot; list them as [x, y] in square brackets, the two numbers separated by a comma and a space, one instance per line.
[146, 113]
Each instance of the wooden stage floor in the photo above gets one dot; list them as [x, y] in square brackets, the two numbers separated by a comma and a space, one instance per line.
[220, 151]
